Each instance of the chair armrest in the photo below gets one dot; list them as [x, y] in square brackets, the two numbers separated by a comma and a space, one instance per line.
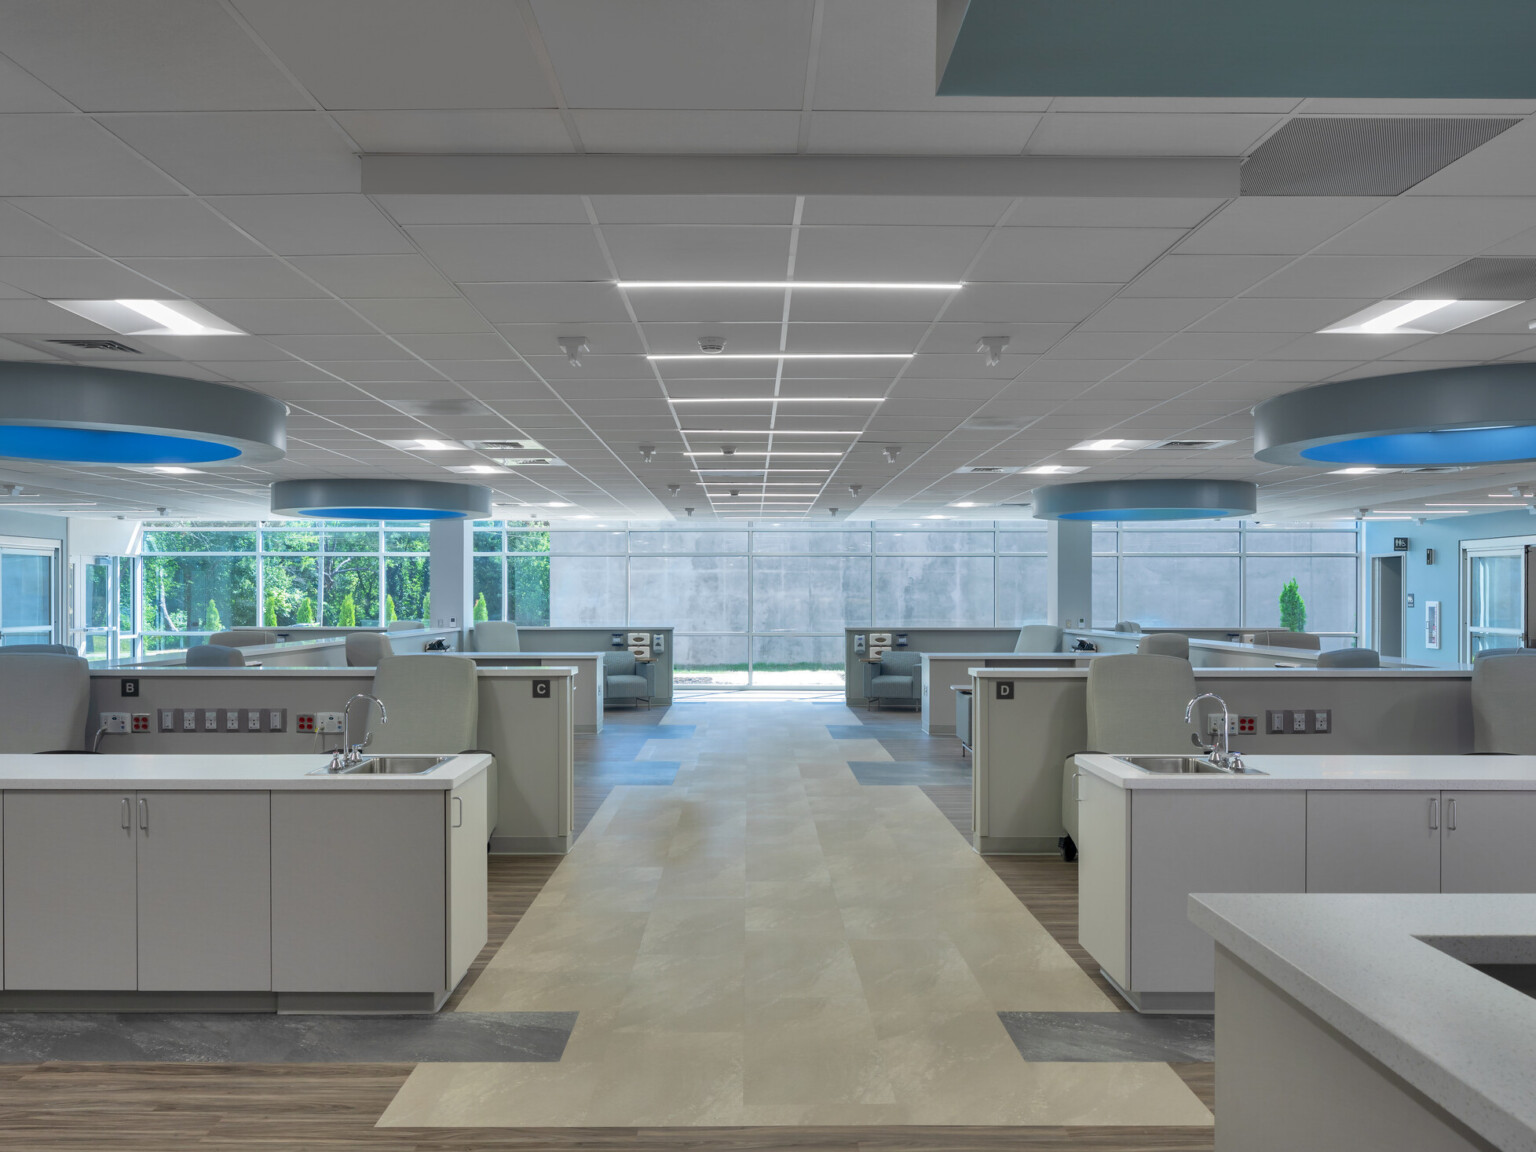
[648, 670]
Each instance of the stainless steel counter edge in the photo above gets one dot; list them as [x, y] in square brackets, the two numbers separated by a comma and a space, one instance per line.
[200, 773]
[1357, 773]
[1360, 963]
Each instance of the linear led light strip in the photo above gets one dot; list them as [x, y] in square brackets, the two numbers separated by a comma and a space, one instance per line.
[812, 285]
[775, 400]
[780, 356]
[718, 455]
[768, 432]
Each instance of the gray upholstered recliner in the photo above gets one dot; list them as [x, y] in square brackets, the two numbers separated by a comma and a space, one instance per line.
[496, 636]
[214, 656]
[1349, 658]
[366, 649]
[1164, 644]
[1135, 704]
[625, 678]
[897, 678]
[1283, 638]
[404, 626]
[242, 637]
[1503, 720]
[36, 649]
[1039, 638]
[1127, 626]
[45, 699]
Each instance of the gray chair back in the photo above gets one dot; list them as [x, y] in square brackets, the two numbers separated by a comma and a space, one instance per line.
[1127, 626]
[1504, 652]
[366, 649]
[404, 626]
[1165, 644]
[900, 664]
[44, 701]
[497, 636]
[242, 637]
[1349, 658]
[1503, 720]
[1282, 638]
[214, 656]
[1136, 704]
[619, 664]
[35, 649]
[1039, 638]
[433, 703]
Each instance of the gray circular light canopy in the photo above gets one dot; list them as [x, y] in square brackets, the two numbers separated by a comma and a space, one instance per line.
[1146, 500]
[1481, 414]
[78, 414]
[381, 500]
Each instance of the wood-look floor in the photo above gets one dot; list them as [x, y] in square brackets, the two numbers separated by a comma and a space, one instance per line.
[333, 1107]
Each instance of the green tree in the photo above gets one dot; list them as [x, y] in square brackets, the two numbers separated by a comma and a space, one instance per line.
[426, 608]
[213, 621]
[348, 615]
[1293, 610]
[481, 611]
[306, 611]
[390, 615]
[269, 617]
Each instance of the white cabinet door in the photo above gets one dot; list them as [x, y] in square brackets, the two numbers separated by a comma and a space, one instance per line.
[205, 891]
[468, 878]
[359, 890]
[1103, 879]
[1488, 842]
[1377, 841]
[70, 903]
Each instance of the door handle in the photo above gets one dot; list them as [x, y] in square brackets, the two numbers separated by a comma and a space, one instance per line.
[144, 813]
[458, 821]
[127, 818]
[1450, 815]
[1434, 813]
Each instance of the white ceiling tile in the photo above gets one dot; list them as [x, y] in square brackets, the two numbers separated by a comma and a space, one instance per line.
[1148, 134]
[21, 235]
[943, 210]
[402, 54]
[1148, 314]
[285, 372]
[1023, 339]
[750, 306]
[234, 277]
[1105, 345]
[1275, 314]
[673, 54]
[23, 92]
[213, 350]
[458, 130]
[371, 277]
[1468, 348]
[74, 279]
[1208, 105]
[548, 303]
[413, 209]
[855, 253]
[544, 339]
[694, 209]
[1377, 277]
[423, 315]
[855, 337]
[1343, 346]
[853, 307]
[32, 315]
[512, 252]
[243, 152]
[1218, 345]
[381, 371]
[1033, 303]
[686, 130]
[710, 252]
[71, 156]
[1277, 225]
[1111, 212]
[921, 133]
[133, 55]
[1204, 276]
[301, 225]
[1435, 225]
[364, 346]
[142, 225]
[289, 317]
[1071, 255]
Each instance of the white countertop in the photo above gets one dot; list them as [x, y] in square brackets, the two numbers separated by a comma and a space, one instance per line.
[1360, 963]
[546, 672]
[1203, 672]
[217, 772]
[1472, 773]
[1008, 655]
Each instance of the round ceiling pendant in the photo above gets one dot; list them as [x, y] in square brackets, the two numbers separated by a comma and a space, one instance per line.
[1483, 414]
[74, 414]
[1146, 500]
[381, 500]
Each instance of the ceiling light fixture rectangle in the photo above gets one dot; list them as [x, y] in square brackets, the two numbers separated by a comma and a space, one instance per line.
[424, 445]
[475, 469]
[1417, 317]
[1052, 470]
[780, 355]
[774, 452]
[150, 317]
[1111, 445]
[812, 285]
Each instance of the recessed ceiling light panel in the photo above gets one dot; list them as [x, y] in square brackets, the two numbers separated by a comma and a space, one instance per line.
[1111, 444]
[150, 317]
[1418, 317]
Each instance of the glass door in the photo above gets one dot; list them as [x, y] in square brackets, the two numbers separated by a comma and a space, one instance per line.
[28, 600]
[1493, 575]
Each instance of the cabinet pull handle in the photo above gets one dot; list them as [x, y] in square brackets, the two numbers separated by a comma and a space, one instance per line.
[1077, 789]
[1450, 815]
[458, 820]
[127, 819]
[144, 813]
[1434, 813]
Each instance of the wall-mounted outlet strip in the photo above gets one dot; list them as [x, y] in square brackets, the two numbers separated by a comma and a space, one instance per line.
[328, 722]
[115, 722]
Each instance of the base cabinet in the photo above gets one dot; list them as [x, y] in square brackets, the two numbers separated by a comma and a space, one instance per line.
[1376, 841]
[1488, 842]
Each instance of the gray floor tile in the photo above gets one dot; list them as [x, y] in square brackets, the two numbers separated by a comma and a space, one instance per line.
[1111, 1037]
[911, 771]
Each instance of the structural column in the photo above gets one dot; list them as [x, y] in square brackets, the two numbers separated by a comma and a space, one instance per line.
[1069, 573]
[452, 574]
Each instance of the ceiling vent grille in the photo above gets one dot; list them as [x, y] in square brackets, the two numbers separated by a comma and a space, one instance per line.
[97, 345]
[506, 445]
[443, 407]
[1362, 155]
[528, 461]
[1482, 278]
[1188, 445]
[988, 469]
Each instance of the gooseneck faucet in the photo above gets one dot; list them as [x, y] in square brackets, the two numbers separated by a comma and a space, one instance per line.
[1220, 751]
[352, 753]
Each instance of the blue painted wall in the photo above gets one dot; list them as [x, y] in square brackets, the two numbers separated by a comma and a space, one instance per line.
[1442, 581]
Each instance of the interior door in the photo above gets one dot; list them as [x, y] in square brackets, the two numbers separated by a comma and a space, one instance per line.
[1387, 596]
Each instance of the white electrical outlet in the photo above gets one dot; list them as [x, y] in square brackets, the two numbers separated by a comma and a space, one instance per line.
[232, 720]
[115, 722]
[253, 720]
[210, 719]
[277, 720]
[327, 721]
[167, 719]
[1213, 724]
[189, 719]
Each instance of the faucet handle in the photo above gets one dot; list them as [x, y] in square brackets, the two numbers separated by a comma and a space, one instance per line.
[1194, 738]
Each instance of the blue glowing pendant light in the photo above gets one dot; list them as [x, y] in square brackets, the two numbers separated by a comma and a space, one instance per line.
[77, 414]
[1484, 414]
[1146, 500]
[380, 500]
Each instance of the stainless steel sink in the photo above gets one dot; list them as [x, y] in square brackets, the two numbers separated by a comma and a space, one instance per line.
[1180, 765]
[388, 766]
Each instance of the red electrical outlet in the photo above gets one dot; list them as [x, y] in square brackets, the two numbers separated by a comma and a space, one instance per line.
[141, 722]
[305, 723]
[1247, 725]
